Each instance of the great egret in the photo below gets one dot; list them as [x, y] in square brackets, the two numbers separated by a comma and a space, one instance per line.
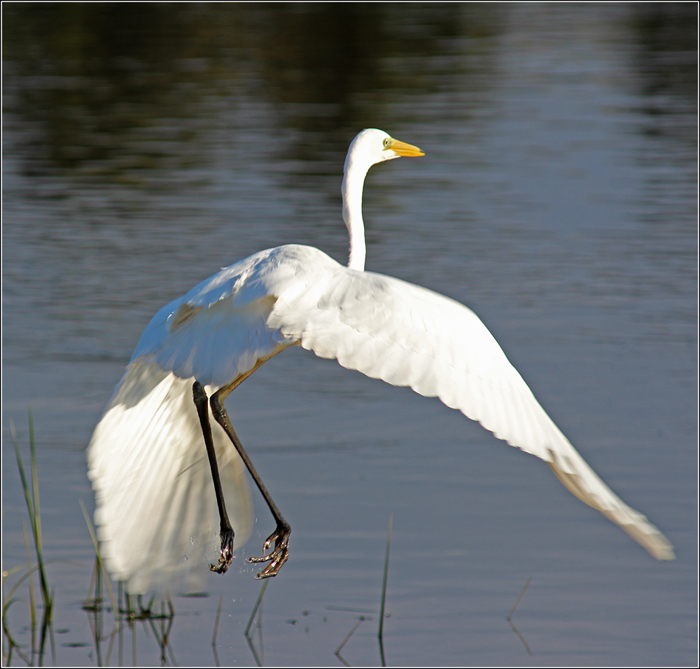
[146, 457]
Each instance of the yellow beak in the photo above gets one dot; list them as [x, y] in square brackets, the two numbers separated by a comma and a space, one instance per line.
[403, 149]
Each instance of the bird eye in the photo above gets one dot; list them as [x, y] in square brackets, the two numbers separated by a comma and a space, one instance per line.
[386, 142]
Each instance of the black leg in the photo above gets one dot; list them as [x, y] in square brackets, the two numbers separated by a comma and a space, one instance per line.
[280, 537]
[226, 533]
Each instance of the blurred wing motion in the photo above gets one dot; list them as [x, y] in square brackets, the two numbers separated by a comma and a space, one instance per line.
[156, 510]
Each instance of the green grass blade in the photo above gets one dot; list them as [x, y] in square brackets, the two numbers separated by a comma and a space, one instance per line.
[23, 478]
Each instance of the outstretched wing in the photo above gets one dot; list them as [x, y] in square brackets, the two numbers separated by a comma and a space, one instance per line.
[410, 336]
[148, 445]
[156, 516]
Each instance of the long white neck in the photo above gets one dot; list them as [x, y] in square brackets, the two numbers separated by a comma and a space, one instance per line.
[353, 182]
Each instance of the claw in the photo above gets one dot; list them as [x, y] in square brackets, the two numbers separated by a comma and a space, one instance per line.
[280, 553]
[226, 552]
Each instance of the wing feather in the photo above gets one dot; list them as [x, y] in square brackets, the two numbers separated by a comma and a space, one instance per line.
[410, 336]
[156, 514]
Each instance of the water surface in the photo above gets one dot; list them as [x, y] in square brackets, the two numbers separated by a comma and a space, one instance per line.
[146, 146]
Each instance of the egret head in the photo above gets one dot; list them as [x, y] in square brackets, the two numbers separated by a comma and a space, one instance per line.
[370, 147]
[374, 146]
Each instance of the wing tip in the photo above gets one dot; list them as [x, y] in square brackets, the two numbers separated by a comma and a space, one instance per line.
[649, 537]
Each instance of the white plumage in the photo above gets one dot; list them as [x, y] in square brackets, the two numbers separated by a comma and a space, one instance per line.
[147, 461]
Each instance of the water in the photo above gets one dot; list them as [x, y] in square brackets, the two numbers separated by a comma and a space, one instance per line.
[147, 146]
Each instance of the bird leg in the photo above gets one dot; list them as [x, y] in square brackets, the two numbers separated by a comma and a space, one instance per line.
[226, 533]
[280, 537]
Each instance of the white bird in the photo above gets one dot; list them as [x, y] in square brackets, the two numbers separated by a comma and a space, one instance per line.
[155, 502]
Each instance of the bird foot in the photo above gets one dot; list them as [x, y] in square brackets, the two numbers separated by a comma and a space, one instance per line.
[226, 552]
[279, 555]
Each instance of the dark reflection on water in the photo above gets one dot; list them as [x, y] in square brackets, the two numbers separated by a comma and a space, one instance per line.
[95, 77]
[148, 144]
